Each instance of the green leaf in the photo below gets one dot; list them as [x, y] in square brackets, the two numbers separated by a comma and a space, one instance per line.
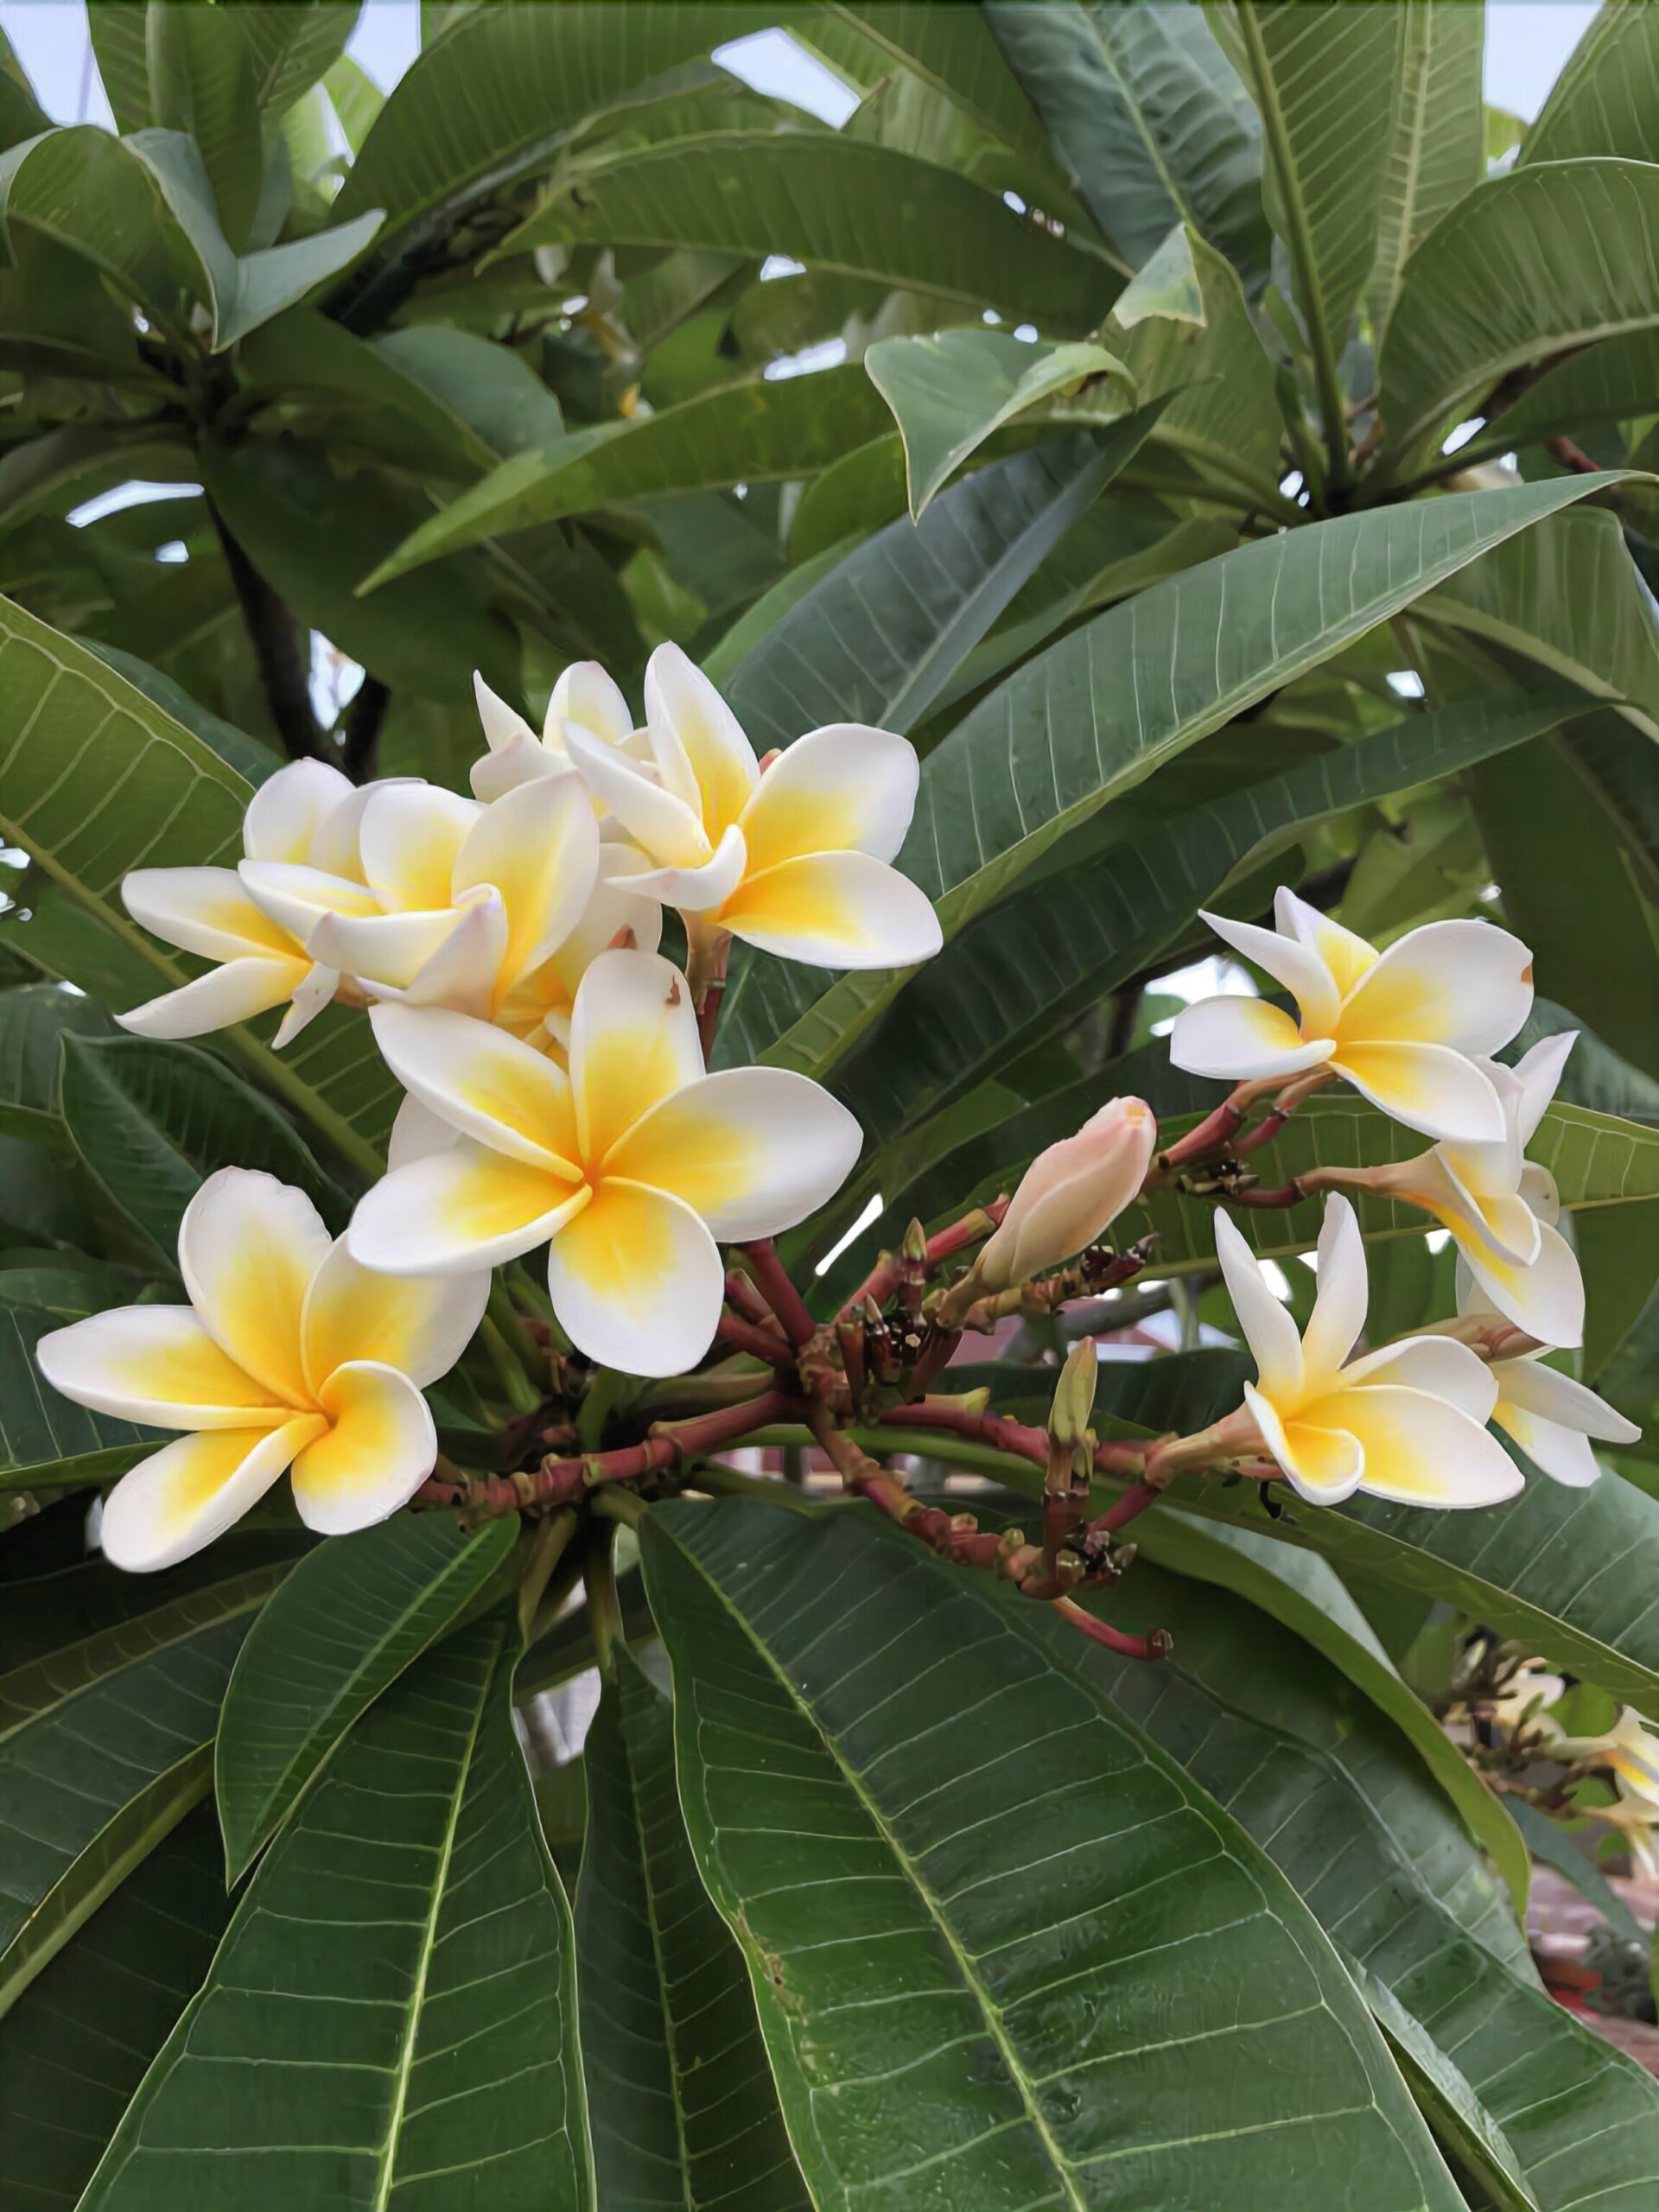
[1147, 116]
[681, 2099]
[1326, 81]
[393, 2004]
[45, 1440]
[949, 49]
[493, 391]
[1606, 98]
[743, 434]
[247, 755]
[118, 28]
[1548, 1841]
[104, 1747]
[1607, 382]
[1130, 689]
[201, 83]
[1525, 266]
[495, 96]
[827, 199]
[1436, 153]
[950, 391]
[31, 1022]
[291, 48]
[1001, 2021]
[355, 98]
[853, 497]
[352, 1616]
[152, 1121]
[74, 2047]
[1165, 284]
[1326, 1786]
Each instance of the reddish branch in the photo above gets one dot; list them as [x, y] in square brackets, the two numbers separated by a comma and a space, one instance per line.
[760, 1344]
[774, 1281]
[885, 1277]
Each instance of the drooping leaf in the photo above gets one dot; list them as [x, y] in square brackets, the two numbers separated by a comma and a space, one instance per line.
[395, 1991]
[950, 391]
[1002, 2017]
[1527, 265]
[1146, 113]
[827, 199]
[201, 83]
[949, 49]
[1435, 155]
[680, 2096]
[1608, 381]
[349, 1621]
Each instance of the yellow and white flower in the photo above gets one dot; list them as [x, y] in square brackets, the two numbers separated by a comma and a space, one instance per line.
[1550, 1416]
[289, 1354]
[1524, 1703]
[794, 860]
[305, 816]
[1636, 1819]
[1500, 1207]
[1401, 1026]
[584, 693]
[1629, 1750]
[629, 1165]
[1406, 1422]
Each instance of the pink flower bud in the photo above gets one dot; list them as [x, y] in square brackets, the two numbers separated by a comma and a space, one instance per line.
[1070, 1194]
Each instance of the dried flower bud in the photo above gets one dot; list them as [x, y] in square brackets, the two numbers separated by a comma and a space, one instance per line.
[1070, 1193]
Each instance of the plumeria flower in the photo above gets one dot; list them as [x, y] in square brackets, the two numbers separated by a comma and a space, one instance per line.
[288, 1355]
[1502, 1208]
[1070, 1194]
[1636, 1819]
[306, 816]
[629, 1165]
[1400, 1025]
[1524, 1702]
[795, 861]
[1629, 1750]
[1550, 1416]
[584, 693]
[1405, 1423]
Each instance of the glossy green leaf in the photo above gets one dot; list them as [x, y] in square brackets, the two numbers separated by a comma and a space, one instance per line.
[745, 433]
[291, 48]
[393, 2003]
[827, 199]
[151, 1122]
[1526, 266]
[347, 1622]
[1608, 381]
[76, 2045]
[44, 1439]
[1145, 111]
[119, 44]
[1130, 689]
[999, 2020]
[950, 391]
[493, 391]
[680, 2096]
[1329, 1789]
[949, 49]
[32, 1021]
[1606, 98]
[1435, 155]
[201, 83]
[105, 1746]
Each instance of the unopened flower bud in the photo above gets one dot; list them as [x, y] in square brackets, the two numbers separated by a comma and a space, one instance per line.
[1074, 1395]
[1070, 1194]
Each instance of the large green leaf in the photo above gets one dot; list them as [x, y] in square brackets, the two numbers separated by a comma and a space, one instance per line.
[829, 201]
[152, 1121]
[950, 391]
[1608, 381]
[201, 83]
[392, 2008]
[681, 2099]
[1323, 1782]
[745, 433]
[32, 1021]
[291, 48]
[1435, 155]
[1326, 81]
[119, 44]
[1000, 2021]
[495, 96]
[1147, 114]
[1128, 692]
[349, 1620]
[1606, 99]
[45, 1440]
[1527, 265]
[74, 2047]
[949, 49]
[104, 1747]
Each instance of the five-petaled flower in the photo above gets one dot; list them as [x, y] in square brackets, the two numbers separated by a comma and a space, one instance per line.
[794, 860]
[628, 1167]
[289, 1354]
[1550, 1416]
[584, 693]
[1405, 1423]
[1407, 1027]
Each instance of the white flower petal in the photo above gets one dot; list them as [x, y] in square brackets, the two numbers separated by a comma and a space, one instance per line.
[1465, 985]
[1562, 1454]
[378, 1451]
[1344, 1292]
[337, 847]
[1440, 1367]
[385, 950]
[1323, 1465]
[697, 890]
[248, 1248]
[1268, 1329]
[410, 837]
[1290, 963]
[585, 694]
[286, 814]
[1346, 955]
[844, 788]
[156, 1365]
[637, 1281]
[310, 999]
[751, 1150]
[416, 1131]
[667, 828]
[203, 910]
[1538, 1074]
[837, 910]
[633, 1041]
[491, 1086]
[699, 745]
[539, 849]
[462, 974]
[1561, 1398]
[1239, 1040]
[1546, 1299]
[1540, 1194]
[1429, 1087]
[177, 1501]
[236, 992]
[420, 1325]
[504, 727]
[295, 898]
[1419, 1449]
[458, 1211]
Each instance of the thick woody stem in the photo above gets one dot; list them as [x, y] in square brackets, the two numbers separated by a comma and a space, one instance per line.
[760, 1344]
[779, 1292]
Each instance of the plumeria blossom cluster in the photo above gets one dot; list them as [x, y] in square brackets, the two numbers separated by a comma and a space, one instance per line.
[1519, 1716]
